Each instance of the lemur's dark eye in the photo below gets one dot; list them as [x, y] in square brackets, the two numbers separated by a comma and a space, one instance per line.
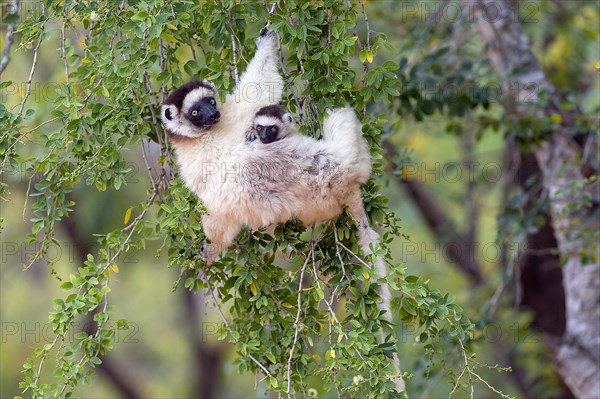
[212, 101]
[194, 113]
[258, 127]
[273, 129]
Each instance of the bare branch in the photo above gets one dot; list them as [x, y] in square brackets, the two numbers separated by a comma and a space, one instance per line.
[235, 64]
[64, 53]
[33, 65]
[296, 327]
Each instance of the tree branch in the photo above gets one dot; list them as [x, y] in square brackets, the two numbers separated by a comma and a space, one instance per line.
[207, 360]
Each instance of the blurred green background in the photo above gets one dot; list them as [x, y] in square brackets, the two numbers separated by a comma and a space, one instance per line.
[172, 348]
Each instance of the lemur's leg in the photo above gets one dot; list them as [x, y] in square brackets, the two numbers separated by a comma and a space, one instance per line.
[366, 237]
[220, 232]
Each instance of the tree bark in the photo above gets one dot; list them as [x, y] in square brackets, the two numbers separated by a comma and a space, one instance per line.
[207, 360]
[578, 354]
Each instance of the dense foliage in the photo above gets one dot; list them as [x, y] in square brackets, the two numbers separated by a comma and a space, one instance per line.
[305, 326]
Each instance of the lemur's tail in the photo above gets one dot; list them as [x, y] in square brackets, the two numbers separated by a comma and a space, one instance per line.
[367, 238]
[343, 128]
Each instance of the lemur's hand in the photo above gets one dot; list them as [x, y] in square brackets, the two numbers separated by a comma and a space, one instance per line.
[265, 31]
[267, 38]
[250, 136]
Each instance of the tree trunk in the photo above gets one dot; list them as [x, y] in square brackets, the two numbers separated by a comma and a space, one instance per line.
[578, 353]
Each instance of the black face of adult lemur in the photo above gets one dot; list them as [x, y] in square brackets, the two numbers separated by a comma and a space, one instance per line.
[192, 103]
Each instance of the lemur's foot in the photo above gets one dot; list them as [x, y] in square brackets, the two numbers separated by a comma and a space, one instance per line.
[240, 246]
[208, 252]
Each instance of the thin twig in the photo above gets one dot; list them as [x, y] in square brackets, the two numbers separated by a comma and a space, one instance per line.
[33, 65]
[216, 302]
[135, 221]
[263, 368]
[234, 49]
[22, 136]
[314, 263]
[148, 167]
[235, 64]
[512, 262]
[291, 89]
[64, 53]
[271, 11]
[296, 327]
[466, 368]
[471, 371]
[356, 256]
[328, 304]
[362, 3]
[37, 127]
[337, 251]
[366, 63]
[39, 372]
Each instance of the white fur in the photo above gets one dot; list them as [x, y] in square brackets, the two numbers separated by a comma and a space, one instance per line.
[264, 120]
[343, 127]
[259, 86]
[179, 124]
[294, 178]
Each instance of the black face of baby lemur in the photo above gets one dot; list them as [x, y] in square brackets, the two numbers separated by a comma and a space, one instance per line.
[267, 134]
[203, 109]
[271, 123]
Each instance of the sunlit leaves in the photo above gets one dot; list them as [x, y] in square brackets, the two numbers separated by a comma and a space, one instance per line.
[132, 54]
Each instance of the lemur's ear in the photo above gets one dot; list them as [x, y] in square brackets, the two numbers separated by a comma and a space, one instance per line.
[169, 112]
[287, 117]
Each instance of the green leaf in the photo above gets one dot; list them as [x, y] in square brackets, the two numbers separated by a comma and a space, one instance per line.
[169, 38]
[362, 55]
